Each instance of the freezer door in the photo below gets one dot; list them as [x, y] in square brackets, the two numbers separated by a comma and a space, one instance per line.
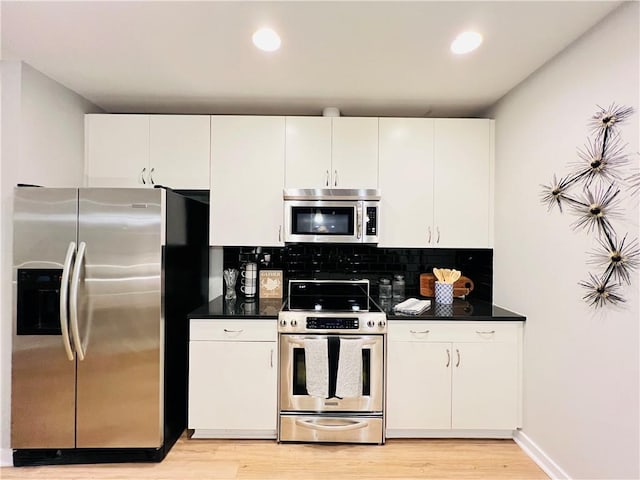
[43, 372]
[119, 401]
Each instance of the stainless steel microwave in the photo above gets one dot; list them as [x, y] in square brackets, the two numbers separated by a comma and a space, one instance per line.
[331, 215]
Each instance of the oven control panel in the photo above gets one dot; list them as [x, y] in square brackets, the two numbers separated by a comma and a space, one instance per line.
[333, 323]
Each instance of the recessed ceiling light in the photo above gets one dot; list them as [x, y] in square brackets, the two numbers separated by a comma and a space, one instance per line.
[266, 39]
[466, 42]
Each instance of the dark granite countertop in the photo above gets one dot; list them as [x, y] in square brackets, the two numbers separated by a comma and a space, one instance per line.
[468, 310]
[260, 308]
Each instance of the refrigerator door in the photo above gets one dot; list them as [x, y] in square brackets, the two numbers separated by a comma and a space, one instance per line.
[120, 320]
[43, 371]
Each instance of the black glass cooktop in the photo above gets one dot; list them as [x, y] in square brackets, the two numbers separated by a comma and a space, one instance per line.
[330, 296]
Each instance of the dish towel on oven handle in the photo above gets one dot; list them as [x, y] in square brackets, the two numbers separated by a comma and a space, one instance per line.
[349, 381]
[316, 355]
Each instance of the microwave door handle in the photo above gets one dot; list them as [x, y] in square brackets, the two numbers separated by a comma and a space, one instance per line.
[359, 221]
[73, 300]
[64, 298]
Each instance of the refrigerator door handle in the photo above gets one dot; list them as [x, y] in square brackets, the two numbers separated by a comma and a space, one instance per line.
[73, 300]
[64, 297]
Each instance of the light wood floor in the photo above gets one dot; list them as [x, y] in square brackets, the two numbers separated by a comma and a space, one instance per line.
[264, 459]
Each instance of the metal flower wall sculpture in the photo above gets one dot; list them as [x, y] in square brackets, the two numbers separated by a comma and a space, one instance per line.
[599, 173]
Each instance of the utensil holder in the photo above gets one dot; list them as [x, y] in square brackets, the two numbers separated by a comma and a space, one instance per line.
[444, 293]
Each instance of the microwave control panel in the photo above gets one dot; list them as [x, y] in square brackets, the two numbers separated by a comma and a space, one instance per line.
[372, 221]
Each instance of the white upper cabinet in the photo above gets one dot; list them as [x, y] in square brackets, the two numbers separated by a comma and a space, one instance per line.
[308, 152]
[354, 147]
[331, 152]
[135, 150]
[436, 182]
[463, 182]
[406, 182]
[116, 150]
[247, 179]
[179, 151]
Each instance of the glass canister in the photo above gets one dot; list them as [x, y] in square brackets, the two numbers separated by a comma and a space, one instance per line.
[384, 289]
[398, 287]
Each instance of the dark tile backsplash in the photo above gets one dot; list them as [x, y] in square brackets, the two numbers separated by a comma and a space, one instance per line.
[366, 261]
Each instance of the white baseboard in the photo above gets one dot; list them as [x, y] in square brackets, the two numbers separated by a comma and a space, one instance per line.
[544, 461]
[444, 433]
[6, 457]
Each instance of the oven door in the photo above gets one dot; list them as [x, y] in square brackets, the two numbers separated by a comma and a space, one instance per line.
[323, 221]
[293, 387]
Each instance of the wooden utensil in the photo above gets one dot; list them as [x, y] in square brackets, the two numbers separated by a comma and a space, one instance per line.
[446, 274]
[455, 275]
[438, 273]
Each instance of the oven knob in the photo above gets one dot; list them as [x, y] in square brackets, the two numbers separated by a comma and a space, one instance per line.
[283, 322]
[381, 323]
[371, 324]
[294, 323]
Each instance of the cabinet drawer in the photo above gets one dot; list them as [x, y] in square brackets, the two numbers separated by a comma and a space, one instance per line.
[401, 331]
[234, 330]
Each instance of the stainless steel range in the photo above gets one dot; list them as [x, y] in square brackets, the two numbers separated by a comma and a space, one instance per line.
[332, 342]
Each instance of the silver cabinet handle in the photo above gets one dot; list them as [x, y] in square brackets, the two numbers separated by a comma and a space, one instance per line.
[486, 332]
[233, 331]
[142, 180]
[151, 180]
[271, 359]
[335, 178]
[280, 233]
[416, 332]
[326, 183]
[73, 300]
[458, 355]
[448, 358]
[429, 235]
[64, 298]
[438, 232]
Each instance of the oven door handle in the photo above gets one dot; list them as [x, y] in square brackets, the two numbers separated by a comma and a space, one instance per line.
[299, 341]
[332, 427]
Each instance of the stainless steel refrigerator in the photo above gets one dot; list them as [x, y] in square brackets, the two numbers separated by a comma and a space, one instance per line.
[103, 282]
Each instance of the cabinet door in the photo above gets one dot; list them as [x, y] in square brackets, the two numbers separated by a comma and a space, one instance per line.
[232, 385]
[116, 150]
[308, 152]
[418, 386]
[247, 179]
[462, 182]
[485, 385]
[179, 151]
[406, 182]
[354, 158]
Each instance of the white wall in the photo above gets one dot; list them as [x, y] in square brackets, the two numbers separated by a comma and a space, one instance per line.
[42, 143]
[581, 388]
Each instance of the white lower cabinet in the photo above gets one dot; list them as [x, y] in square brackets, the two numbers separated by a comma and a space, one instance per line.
[453, 379]
[233, 378]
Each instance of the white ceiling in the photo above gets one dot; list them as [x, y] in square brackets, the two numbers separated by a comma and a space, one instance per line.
[366, 58]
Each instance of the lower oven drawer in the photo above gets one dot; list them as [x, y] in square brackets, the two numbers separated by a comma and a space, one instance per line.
[313, 428]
